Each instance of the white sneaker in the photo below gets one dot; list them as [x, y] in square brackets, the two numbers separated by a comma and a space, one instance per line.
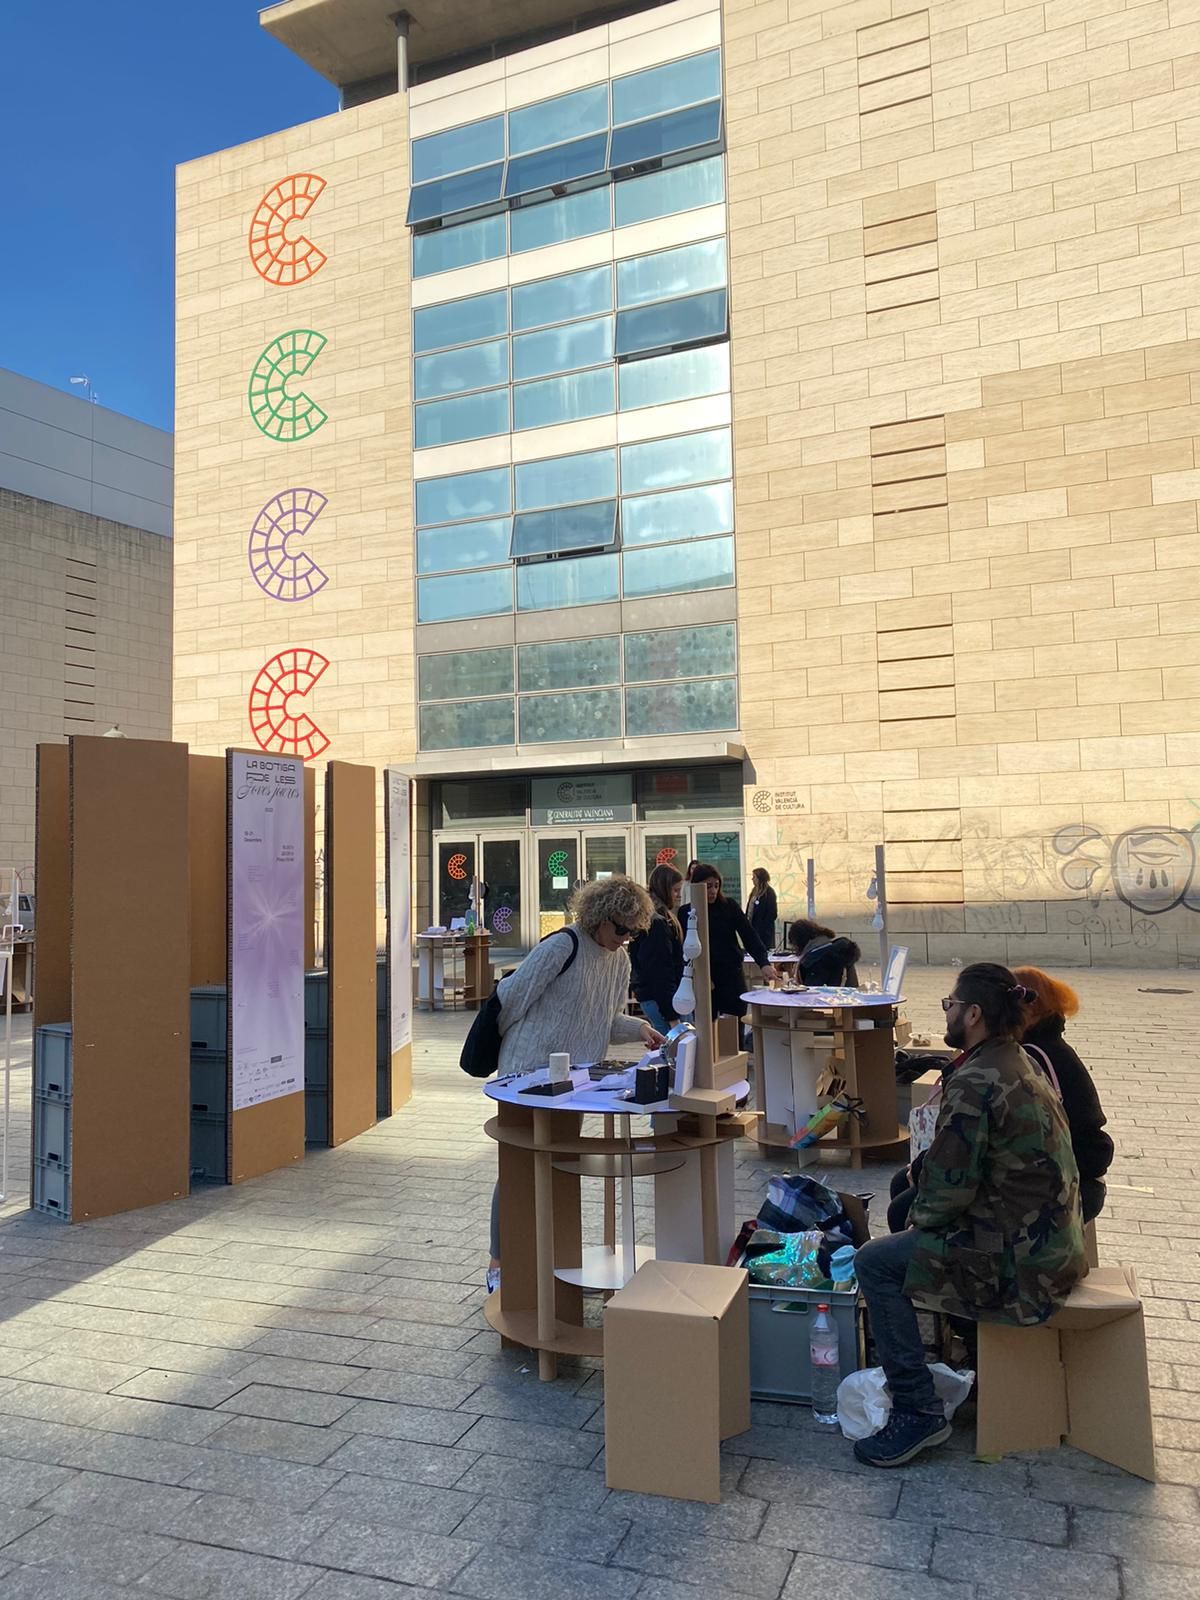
[492, 1279]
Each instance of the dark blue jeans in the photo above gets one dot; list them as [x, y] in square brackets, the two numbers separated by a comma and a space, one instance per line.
[881, 1265]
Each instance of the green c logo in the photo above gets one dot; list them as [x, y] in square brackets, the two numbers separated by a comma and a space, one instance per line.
[275, 412]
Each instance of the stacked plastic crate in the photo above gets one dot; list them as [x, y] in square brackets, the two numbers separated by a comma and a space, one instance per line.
[316, 1058]
[52, 1120]
[383, 1041]
[210, 1084]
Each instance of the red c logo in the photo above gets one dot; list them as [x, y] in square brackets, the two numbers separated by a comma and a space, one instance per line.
[277, 728]
[276, 257]
[456, 867]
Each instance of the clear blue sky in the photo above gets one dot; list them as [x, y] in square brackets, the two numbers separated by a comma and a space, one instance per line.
[102, 99]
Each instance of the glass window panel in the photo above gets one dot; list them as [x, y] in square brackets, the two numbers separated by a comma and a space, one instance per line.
[669, 273]
[669, 323]
[562, 163]
[467, 494]
[466, 724]
[472, 366]
[572, 344]
[723, 850]
[502, 892]
[570, 663]
[582, 394]
[555, 220]
[472, 145]
[584, 581]
[474, 416]
[545, 533]
[663, 136]
[662, 194]
[443, 249]
[447, 195]
[474, 594]
[679, 653]
[659, 569]
[668, 463]
[699, 707]
[567, 479]
[577, 294]
[682, 514]
[460, 321]
[558, 872]
[663, 794]
[465, 672]
[683, 375]
[463, 545]
[679, 83]
[592, 714]
[487, 800]
[553, 121]
[456, 875]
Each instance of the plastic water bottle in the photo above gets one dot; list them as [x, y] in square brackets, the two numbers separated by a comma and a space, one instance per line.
[826, 1366]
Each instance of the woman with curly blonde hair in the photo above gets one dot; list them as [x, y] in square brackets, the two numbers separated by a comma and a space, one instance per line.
[571, 991]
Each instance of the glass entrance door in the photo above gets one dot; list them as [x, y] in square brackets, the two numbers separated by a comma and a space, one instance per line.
[457, 860]
[557, 872]
[604, 854]
[500, 868]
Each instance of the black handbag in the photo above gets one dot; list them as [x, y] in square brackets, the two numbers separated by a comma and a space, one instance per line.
[481, 1048]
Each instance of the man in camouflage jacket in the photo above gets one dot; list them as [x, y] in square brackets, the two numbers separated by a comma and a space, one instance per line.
[994, 1232]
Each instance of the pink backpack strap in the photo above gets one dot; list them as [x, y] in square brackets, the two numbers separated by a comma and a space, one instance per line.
[1042, 1060]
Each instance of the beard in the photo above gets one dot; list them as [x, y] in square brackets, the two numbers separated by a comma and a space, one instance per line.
[955, 1034]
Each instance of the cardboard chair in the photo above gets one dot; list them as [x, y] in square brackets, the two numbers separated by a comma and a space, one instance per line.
[1079, 1379]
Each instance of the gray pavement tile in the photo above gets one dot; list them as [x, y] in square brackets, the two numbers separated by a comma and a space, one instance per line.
[876, 1495]
[876, 1541]
[391, 1420]
[258, 1478]
[203, 1572]
[530, 1400]
[1016, 1516]
[663, 1552]
[179, 1388]
[532, 1441]
[118, 1555]
[1116, 1533]
[737, 1517]
[353, 1586]
[49, 1403]
[1022, 1565]
[434, 1337]
[24, 1482]
[664, 1589]
[499, 1574]
[556, 1531]
[119, 1501]
[534, 1480]
[428, 1559]
[380, 1355]
[52, 1583]
[286, 1441]
[153, 1460]
[30, 1439]
[287, 1405]
[290, 1372]
[1151, 1580]
[420, 1507]
[15, 1522]
[403, 1458]
[850, 1580]
[207, 1361]
[1123, 1493]
[417, 1389]
[14, 1361]
[237, 1524]
[277, 1341]
[157, 1419]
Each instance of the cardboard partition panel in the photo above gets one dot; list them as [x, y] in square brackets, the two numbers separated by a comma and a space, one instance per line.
[676, 1377]
[397, 801]
[129, 974]
[1080, 1378]
[350, 947]
[52, 858]
[310, 869]
[206, 856]
[265, 854]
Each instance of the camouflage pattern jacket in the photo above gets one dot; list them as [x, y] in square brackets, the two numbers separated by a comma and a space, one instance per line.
[997, 1207]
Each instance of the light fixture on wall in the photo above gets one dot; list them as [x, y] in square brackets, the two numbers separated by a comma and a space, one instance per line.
[89, 392]
[114, 732]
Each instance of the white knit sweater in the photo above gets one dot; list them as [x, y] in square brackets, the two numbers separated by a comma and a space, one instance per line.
[579, 1012]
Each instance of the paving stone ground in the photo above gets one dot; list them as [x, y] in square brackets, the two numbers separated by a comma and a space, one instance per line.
[288, 1389]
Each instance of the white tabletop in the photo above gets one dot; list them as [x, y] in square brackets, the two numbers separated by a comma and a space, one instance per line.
[820, 998]
[584, 1097]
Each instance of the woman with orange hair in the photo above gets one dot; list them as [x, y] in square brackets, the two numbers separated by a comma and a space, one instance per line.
[1046, 1013]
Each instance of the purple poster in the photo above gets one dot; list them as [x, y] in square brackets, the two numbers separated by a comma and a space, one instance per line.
[266, 927]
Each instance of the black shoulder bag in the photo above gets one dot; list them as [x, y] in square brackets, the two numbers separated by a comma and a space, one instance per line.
[481, 1048]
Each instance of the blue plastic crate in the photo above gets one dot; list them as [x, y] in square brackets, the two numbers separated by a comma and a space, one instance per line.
[52, 1131]
[210, 1018]
[316, 1116]
[52, 1061]
[52, 1191]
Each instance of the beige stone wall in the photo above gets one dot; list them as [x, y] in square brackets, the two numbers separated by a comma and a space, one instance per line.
[966, 319]
[85, 642]
[227, 470]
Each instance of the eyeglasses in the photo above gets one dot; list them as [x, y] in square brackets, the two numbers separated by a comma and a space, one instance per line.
[950, 1002]
[623, 932]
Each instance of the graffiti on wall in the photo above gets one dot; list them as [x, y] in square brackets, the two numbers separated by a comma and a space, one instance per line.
[1152, 869]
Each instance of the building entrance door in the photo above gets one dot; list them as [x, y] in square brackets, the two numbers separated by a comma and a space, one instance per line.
[497, 860]
[567, 857]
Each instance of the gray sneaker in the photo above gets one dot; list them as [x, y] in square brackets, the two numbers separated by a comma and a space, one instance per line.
[905, 1435]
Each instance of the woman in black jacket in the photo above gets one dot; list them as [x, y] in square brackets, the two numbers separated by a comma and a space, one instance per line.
[729, 934]
[825, 958]
[657, 955]
[762, 908]
[1046, 1018]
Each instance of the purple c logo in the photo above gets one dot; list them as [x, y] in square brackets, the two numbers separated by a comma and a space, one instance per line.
[282, 573]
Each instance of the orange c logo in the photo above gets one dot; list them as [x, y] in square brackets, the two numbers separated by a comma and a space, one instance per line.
[277, 727]
[456, 867]
[277, 258]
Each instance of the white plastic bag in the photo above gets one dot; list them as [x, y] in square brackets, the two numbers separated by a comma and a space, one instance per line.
[864, 1401]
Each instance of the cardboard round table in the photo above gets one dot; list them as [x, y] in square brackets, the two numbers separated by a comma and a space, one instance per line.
[543, 1155]
[798, 1035]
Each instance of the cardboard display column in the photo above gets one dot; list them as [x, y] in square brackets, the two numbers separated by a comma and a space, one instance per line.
[266, 870]
[129, 974]
[350, 947]
[52, 856]
[397, 793]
